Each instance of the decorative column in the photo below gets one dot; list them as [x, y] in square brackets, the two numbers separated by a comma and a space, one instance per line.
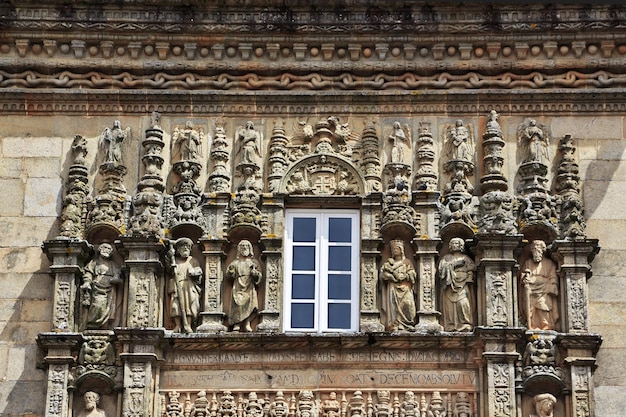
[424, 201]
[277, 159]
[143, 243]
[140, 354]
[68, 258]
[219, 179]
[58, 356]
[370, 159]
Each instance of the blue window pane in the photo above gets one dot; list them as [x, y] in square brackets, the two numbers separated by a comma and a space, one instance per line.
[303, 286]
[340, 230]
[338, 316]
[339, 287]
[303, 229]
[302, 316]
[303, 258]
[339, 258]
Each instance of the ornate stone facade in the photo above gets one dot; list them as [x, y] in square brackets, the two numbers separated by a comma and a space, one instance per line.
[206, 126]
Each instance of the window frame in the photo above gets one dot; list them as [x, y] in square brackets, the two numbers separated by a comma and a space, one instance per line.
[321, 300]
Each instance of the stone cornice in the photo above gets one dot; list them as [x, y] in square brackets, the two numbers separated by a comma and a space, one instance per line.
[236, 103]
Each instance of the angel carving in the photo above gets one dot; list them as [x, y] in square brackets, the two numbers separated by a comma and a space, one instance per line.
[401, 143]
[187, 142]
[303, 132]
[250, 144]
[459, 144]
[111, 142]
[533, 142]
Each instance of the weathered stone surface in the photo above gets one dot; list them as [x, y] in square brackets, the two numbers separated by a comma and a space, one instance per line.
[31, 231]
[12, 201]
[602, 170]
[42, 167]
[607, 400]
[23, 260]
[605, 200]
[36, 310]
[42, 197]
[612, 150]
[48, 147]
[608, 228]
[602, 313]
[26, 286]
[22, 362]
[606, 127]
[10, 167]
[22, 398]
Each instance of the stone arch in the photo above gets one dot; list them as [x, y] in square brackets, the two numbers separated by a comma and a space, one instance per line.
[323, 174]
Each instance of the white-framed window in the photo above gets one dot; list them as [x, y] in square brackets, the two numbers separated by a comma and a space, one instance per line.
[321, 288]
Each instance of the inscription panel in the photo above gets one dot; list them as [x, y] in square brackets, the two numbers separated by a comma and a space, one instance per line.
[375, 358]
[319, 379]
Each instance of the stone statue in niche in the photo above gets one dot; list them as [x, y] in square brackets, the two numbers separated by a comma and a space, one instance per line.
[245, 274]
[250, 144]
[540, 289]
[398, 298]
[111, 142]
[183, 286]
[459, 143]
[401, 143]
[92, 400]
[456, 271]
[543, 405]
[98, 291]
[187, 142]
[533, 142]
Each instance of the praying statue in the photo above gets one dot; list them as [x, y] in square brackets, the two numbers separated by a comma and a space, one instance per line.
[98, 291]
[540, 289]
[245, 274]
[398, 298]
[183, 286]
[456, 270]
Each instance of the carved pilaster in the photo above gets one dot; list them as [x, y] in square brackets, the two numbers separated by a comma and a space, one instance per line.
[140, 353]
[580, 352]
[269, 315]
[576, 257]
[277, 160]
[212, 317]
[145, 284]
[58, 356]
[500, 355]
[370, 314]
[497, 273]
[425, 177]
[72, 219]
[370, 162]
[427, 314]
[371, 212]
[68, 259]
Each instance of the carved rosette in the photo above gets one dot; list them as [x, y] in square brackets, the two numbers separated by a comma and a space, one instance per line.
[148, 201]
